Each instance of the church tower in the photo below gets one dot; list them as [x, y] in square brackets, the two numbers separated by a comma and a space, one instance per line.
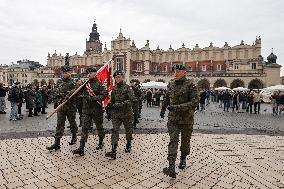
[94, 45]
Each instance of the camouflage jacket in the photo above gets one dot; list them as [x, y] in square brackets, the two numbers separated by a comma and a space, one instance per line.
[181, 99]
[122, 99]
[94, 102]
[65, 87]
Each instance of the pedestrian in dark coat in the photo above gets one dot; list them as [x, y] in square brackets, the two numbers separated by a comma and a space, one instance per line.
[30, 99]
[44, 99]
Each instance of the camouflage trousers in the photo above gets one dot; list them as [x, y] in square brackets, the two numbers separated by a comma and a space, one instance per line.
[117, 121]
[87, 120]
[61, 118]
[135, 111]
[174, 130]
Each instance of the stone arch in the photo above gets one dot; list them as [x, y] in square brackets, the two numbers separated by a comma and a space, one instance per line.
[220, 83]
[237, 83]
[43, 82]
[203, 84]
[146, 80]
[256, 84]
[134, 81]
[161, 80]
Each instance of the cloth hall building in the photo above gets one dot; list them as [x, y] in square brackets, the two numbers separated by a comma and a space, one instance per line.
[210, 67]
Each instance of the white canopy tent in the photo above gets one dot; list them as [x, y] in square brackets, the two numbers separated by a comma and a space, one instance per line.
[154, 85]
[274, 88]
[240, 89]
[222, 88]
[268, 91]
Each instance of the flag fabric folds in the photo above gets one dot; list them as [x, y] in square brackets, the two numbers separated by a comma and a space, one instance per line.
[104, 76]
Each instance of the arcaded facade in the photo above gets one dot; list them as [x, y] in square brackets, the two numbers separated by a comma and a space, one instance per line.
[232, 66]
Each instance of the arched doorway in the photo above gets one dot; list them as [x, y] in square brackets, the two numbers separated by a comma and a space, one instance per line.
[161, 80]
[256, 84]
[237, 83]
[220, 83]
[203, 84]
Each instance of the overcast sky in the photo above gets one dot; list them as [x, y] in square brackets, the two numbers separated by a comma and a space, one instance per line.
[30, 29]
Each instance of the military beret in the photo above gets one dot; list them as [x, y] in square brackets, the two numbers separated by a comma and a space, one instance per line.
[179, 67]
[91, 69]
[118, 72]
[66, 68]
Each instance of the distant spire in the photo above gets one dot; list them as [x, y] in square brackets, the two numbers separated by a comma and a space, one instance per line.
[183, 45]
[158, 48]
[271, 50]
[133, 44]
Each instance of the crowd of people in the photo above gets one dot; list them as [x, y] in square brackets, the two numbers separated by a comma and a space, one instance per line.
[248, 101]
[35, 99]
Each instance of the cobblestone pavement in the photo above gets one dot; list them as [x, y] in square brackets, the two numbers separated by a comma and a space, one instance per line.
[213, 120]
[228, 150]
[216, 161]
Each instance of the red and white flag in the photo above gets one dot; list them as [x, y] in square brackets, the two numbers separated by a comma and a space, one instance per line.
[104, 75]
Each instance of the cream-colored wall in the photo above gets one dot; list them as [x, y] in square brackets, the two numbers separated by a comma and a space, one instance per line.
[272, 76]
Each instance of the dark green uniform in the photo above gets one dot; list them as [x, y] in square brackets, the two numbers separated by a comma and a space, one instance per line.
[135, 106]
[65, 88]
[139, 95]
[122, 97]
[181, 99]
[92, 109]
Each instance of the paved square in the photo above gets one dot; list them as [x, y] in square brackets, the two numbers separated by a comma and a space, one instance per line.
[228, 150]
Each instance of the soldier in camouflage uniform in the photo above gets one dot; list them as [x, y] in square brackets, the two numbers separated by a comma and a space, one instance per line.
[122, 97]
[65, 88]
[135, 104]
[79, 102]
[181, 99]
[140, 99]
[93, 94]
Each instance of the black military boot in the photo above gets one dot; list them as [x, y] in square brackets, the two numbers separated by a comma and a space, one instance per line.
[80, 150]
[170, 171]
[55, 146]
[73, 139]
[101, 144]
[128, 147]
[182, 163]
[112, 153]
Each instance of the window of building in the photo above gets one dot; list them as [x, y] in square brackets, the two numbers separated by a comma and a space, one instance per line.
[119, 63]
[203, 67]
[165, 68]
[186, 56]
[236, 66]
[139, 67]
[179, 57]
[253, 66]
[219, 67]
[156, 68]
[230, 55]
